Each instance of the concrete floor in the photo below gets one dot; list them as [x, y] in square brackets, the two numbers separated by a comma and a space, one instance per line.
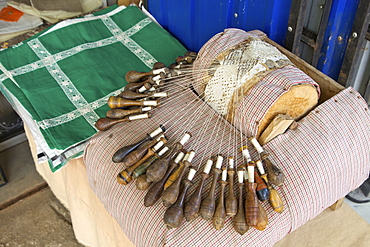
[30, 215]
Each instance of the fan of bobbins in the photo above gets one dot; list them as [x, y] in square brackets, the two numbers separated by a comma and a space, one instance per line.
[167, 172]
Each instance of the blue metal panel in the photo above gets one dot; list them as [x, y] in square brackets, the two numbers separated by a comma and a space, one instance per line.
[336, 37]
[193, 22]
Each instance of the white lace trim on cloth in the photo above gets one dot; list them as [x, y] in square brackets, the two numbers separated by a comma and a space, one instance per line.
[235, 69]
[83, 108]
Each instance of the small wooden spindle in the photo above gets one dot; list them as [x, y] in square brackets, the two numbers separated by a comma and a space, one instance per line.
[274, 198]
[192, 206]
[121, 113]
[118, 102]
[134, 76]
[207, 207]
[261, 190]
[251, 202]
[156, 190]
[106, 123]
[156, 171]
[262, 218]
[231, 203]
[125, 176]
[122, 152]
[171, 194]
[239, 221]
[141, 183]
[158, 65]
[219, 216]
[174, 215]
[275, 175]
[136, 85]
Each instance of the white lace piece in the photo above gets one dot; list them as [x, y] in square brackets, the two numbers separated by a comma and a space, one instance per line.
[235, 69]
[80, 48]
[47, 123]
[124, 38]
[64, 82]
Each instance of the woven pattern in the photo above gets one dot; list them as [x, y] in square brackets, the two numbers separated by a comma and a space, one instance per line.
[325, 158]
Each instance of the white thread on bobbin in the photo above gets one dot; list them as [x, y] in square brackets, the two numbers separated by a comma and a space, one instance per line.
[251, 174]
[185, 138]
[246, 154]
[179, 157]
[158, 145]
[231, 162]
[191, 174]
[142, 89]
[219, 161]
[241, 176]
[148, 108]
[160, 95]
[140, 116]
[163, 151]
[224, 174]
[256, 144]
[157, 71]
[156, 132]
[208, 166]
[191, 155]
[260, 167]
[150, 103]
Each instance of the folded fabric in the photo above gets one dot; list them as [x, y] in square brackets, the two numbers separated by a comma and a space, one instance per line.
[60, 79]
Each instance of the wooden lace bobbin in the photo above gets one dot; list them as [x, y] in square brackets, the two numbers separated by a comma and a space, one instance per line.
[251, 202]
[130, 95]
[118, 102]
[134, 76]
[207, 207]
[176, 173]
[174, 215]
[276, 177]
[219, 216]
[136, 85]
[192, 206]
[125, 176]
[140, 170]
[171, 194]
[158, 65]
[121, 113]
[141, 183]
[261, 190]
[274, 197]
[136, 155]
[155, 191]
[231, 203]
[121, 153]
[106, 123]
[239, 221]
[157, 170]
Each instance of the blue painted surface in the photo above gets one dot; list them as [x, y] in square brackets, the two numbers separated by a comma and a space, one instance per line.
[193, 22]
[340, 23]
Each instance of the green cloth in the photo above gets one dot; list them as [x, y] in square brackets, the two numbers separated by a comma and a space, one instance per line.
[64, 75]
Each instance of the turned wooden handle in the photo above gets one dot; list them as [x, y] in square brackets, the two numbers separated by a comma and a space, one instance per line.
[141, 183]
[239, 221]
[141, 169]
[171, 194]
[174, 215]
[122, 152]
[207, 208]
[261, 190]
[219, 216]
[276, 177]
[231, 203]
[106, 123]
[262, 218]
[155, 192]
[134, 157]
[192, 206]
[274, 197]
[118, 102]
[251, 205]
[134, 76]
[136, 85]
[130, 95]
[121, 113]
